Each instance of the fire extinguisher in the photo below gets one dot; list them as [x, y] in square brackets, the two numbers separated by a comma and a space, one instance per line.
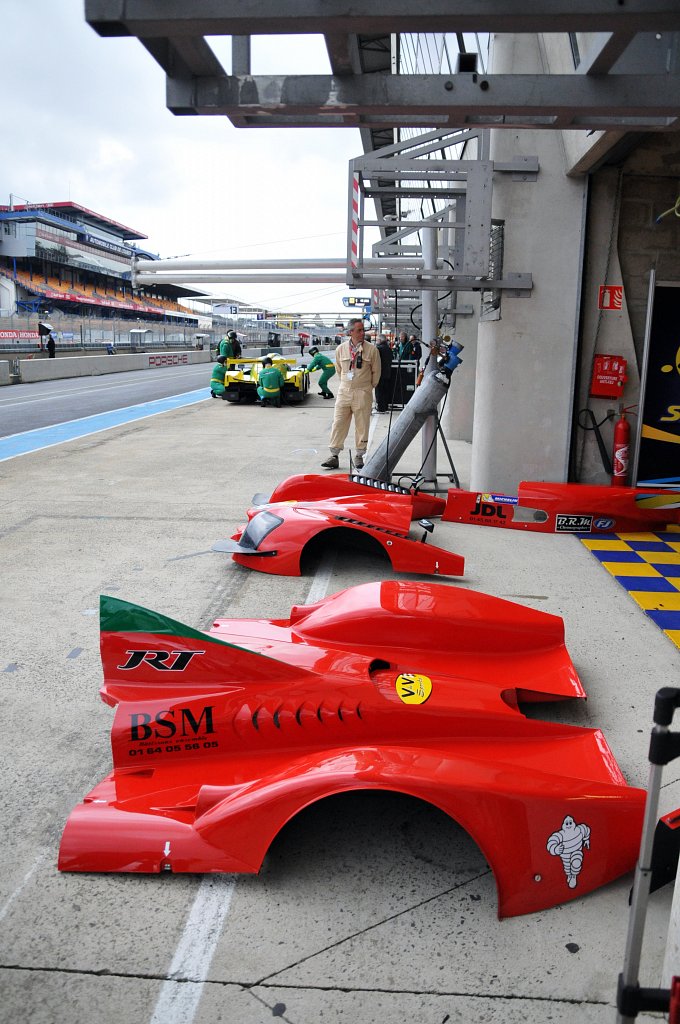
[621, 451]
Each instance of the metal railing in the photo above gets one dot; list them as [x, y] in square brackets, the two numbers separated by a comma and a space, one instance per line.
[490, 308]
[81, 335]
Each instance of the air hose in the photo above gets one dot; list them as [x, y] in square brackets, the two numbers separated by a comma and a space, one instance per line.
[604, 454]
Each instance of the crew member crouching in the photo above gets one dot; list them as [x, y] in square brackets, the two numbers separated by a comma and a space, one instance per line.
[217, 388]
[270, 382]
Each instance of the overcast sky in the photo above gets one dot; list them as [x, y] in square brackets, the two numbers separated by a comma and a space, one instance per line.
[84, 118]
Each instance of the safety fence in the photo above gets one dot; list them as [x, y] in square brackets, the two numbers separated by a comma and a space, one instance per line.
[20, 335]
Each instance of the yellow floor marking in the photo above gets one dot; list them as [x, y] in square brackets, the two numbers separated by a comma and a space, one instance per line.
[630, 569]
[660, 601]
[660, 557]
[607, 545]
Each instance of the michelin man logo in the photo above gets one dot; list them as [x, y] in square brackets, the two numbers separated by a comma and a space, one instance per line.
[569, 843]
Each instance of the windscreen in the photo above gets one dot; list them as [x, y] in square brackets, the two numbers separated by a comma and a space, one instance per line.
[259, 527]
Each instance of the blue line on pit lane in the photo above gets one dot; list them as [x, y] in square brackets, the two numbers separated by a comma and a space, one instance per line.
[46, 437]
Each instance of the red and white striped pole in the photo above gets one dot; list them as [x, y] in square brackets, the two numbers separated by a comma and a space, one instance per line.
[354, 258]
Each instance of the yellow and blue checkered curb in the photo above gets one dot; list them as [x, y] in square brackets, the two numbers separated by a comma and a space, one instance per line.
[647, 565]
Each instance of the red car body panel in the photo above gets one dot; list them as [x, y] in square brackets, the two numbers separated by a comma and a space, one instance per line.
[385, 517]
[219, 739]
[566, 508]
[314, 487]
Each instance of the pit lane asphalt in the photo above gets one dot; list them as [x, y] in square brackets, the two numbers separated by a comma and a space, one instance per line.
[368, 909]
[45, 403]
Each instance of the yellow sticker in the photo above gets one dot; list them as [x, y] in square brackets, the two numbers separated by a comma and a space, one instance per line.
[413, 688]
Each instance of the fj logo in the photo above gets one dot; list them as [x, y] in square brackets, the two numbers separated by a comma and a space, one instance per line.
[162, 661]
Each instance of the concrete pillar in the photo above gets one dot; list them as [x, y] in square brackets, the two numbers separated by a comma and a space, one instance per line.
[526, 360]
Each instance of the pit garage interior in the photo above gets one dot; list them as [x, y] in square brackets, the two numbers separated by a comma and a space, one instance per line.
[522, 168]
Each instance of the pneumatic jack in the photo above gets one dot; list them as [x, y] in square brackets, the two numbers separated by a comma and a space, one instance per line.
[448, 362]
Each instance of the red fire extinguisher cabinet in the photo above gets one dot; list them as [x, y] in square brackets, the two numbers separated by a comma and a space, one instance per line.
[609, 376]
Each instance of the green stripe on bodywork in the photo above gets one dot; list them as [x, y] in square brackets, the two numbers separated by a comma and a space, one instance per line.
[116, 616]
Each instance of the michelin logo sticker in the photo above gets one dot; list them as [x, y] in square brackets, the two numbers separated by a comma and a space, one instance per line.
[568, 843]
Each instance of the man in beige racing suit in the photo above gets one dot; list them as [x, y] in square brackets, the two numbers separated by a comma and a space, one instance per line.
[357, 363]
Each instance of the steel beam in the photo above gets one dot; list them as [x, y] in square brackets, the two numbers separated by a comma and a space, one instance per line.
[147, 18]
[605, 50]
[191, 280]
[498, 101]
[517, 284]
[184, 56]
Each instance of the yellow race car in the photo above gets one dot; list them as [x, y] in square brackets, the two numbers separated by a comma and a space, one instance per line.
[242, 375]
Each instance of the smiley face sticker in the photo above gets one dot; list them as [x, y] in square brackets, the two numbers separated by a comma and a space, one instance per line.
[412, 688]
[668, 368]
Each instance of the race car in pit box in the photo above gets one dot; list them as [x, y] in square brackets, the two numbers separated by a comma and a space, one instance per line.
[241, 377]
[221, 738]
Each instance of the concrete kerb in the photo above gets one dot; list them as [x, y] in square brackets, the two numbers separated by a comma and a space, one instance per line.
[32, 370]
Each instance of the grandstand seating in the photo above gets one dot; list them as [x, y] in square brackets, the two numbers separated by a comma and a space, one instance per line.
[82, 291]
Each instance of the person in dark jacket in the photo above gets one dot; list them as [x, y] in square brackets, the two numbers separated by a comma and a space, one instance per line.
[230, 346]
[405, 347]
[382, 391]
[51, 346]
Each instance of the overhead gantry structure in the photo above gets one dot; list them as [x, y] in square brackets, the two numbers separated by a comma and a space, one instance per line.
[625, 81]
[362, 93]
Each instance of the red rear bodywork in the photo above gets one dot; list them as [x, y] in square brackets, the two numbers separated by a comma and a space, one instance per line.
[544, 507]
[221, 738]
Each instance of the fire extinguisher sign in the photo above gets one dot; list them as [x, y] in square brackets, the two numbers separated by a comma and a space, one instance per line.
[610, 296]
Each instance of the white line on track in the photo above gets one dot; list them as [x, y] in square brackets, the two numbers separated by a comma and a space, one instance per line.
[88, 389]
[322, 579]
[22, 884]
[181, 992]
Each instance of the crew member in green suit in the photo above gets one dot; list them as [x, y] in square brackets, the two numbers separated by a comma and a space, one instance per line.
[269, 383]
[327, 366]
[217, 378]
[227, 346]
